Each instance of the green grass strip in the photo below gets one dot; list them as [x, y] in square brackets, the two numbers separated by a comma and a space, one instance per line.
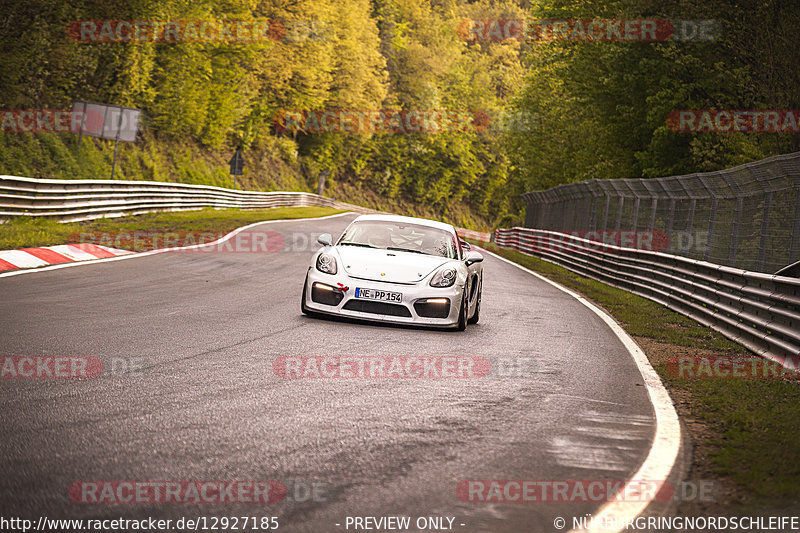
[26, 232]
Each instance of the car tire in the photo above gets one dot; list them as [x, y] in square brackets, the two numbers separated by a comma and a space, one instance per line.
[477, 315]
[303, 307]
[462, 314]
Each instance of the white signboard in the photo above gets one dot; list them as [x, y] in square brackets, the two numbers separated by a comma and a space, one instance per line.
[112, 122]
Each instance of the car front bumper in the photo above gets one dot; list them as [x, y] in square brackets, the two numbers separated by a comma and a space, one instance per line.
[348, 305]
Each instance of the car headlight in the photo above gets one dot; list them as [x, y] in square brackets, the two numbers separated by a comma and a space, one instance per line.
[326, 263]
[444, 277]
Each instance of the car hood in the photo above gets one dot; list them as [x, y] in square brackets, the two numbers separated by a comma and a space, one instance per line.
[388, 265]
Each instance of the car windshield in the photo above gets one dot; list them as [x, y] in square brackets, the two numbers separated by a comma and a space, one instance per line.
[400, 236]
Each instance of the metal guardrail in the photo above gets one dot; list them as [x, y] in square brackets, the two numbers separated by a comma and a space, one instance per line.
[74, 200]
[759, 311]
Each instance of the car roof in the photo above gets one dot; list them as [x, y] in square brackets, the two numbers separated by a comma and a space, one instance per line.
[410, 220]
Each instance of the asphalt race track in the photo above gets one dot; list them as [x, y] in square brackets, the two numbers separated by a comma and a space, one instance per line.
[204, 330]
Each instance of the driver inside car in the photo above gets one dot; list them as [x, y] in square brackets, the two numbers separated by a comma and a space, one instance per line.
[380, 237]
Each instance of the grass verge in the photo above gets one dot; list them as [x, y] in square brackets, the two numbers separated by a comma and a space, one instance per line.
[745, 432]
[25, 232]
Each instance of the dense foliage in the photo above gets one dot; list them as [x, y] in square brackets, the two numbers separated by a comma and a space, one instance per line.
[590, 109]
[601, 108]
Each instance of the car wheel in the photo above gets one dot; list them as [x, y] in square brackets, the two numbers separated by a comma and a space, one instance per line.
[303, 307]
[477, 315]
[462, 315]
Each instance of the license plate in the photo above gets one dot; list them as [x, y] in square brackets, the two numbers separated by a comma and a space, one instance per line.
[384, 296]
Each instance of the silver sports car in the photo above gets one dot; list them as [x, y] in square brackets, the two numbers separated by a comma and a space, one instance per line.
[396, 269]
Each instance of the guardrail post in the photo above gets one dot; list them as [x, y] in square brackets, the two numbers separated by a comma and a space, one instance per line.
[793, 247]
[737, 221]
[762, 242]
[576, 199]
[670, 219]
[547, 219]
[554, 223]
[576, 215]
[711, 221]
[565, 207]
[690, 222]
[737, 215]
[653, 209]
[595, 201]
[544, 211]
[579, 200]
[570, 212]
[529, 213]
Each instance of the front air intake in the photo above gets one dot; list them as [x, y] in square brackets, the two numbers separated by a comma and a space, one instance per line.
[325, 294]
[378, 308]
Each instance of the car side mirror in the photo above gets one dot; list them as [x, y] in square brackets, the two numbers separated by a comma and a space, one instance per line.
[465, 246]
[473, 257]
[325, 239]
